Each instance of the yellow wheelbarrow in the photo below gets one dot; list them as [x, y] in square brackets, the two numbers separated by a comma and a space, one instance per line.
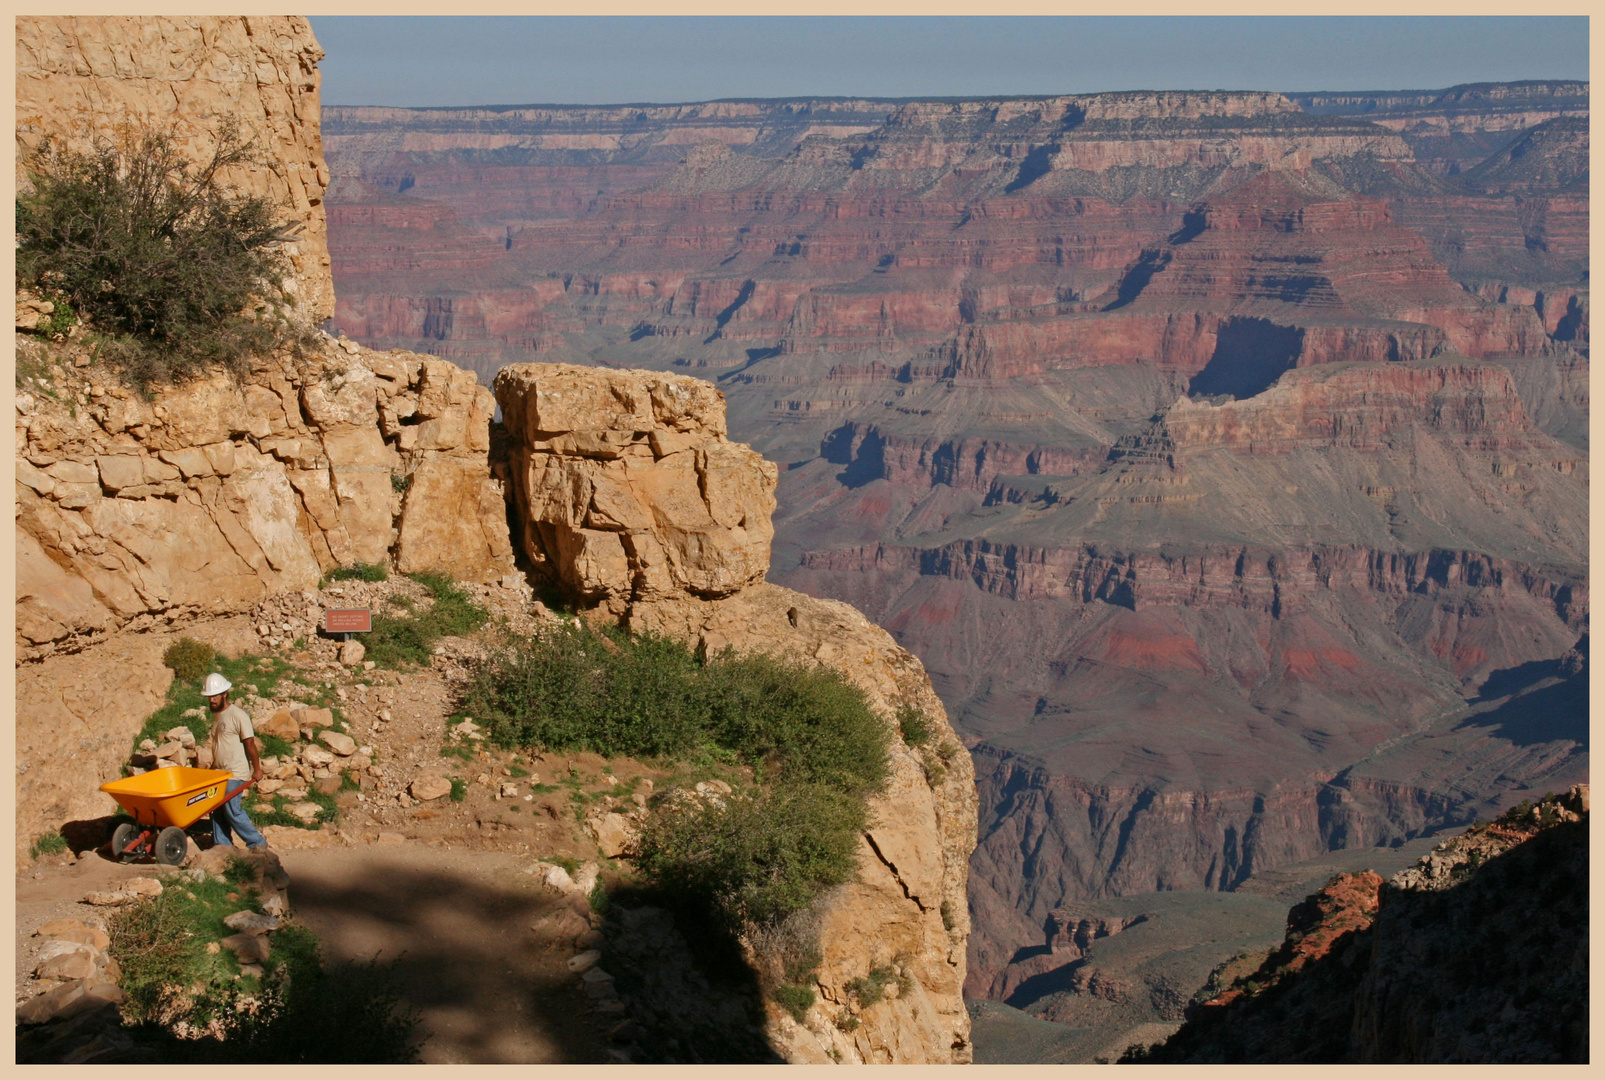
[165, 802]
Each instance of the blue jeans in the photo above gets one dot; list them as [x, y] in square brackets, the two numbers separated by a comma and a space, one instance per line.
[232, 816]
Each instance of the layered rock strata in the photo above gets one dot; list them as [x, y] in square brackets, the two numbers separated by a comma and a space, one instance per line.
[995, 345]
[631, 499]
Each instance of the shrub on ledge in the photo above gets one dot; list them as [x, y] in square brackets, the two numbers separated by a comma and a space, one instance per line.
[176, 272]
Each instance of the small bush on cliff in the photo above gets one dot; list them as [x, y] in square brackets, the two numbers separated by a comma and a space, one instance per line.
[760, 856]
[189, 659]
[359, 572]
[815, 747]
[574, 688]
[156, 252]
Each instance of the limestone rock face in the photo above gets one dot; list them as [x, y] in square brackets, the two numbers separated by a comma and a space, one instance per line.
[215, 493]
[627, 488]
[632, 500]
[79, 77]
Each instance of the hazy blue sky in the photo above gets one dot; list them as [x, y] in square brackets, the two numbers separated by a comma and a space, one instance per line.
[591, 60]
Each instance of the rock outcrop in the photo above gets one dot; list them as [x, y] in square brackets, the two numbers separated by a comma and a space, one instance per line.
[631, 500]
[217, 493]
[82, 78]
[628, 489]
[211, 495]
[1374, 972]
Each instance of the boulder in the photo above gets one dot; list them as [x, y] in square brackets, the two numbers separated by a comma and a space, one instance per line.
[329, 785]
[561, 924]
[352, 652]
[251, 948]
[308, 717]
[249, 922]
[428, 786]
[182, 735]
[73, 930]
[143, 886]
[69, 1000]
[615, 834]
[583, 962]
[341, 744]
[281, 724]
[110, 898]
[557, 878]
[316, 757]
[306, 811]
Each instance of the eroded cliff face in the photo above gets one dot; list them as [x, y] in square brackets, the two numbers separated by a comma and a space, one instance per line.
[80, 78]
[631, 498]
[1375, 971]
[216, 494]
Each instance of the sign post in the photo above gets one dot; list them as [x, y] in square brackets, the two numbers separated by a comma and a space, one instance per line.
[347, 621]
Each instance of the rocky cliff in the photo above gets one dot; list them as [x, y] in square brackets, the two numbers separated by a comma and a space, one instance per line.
[1381, 972]
[80, 78]
[215, 494]
[633, 502]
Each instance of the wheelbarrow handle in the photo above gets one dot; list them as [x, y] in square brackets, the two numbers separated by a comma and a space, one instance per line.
[247, 786]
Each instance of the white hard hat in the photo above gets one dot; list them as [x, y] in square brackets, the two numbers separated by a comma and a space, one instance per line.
[215, 685]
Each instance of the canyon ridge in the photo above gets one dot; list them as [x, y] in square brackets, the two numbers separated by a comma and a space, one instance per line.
[1223, 456]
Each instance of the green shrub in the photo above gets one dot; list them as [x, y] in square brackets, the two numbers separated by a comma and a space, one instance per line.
[59, 321]
[915, 728]
[872, 987]
[760, 856]
[410, 638]
[796, 1000]
[51, 843]
[155, 252]
[359, 572]
[303, 1012]
[807, 732]
[574, 688]
[801, 968]
[459, 789]
[190, 660]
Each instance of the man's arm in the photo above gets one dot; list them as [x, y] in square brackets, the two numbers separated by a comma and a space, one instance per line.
[255, 757]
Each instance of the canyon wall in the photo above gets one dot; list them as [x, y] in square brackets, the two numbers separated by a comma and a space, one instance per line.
[1223, 457]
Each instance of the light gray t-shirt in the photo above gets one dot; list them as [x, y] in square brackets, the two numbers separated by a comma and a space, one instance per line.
[230, 729]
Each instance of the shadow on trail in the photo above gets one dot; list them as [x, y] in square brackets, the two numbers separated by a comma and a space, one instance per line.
[486, 988]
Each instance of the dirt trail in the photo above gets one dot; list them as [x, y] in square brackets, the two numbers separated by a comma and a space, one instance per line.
[457, 922]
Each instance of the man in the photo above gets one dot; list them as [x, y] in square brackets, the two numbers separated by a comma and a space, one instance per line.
[234, 750]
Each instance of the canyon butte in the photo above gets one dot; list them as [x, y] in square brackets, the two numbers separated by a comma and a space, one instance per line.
[1223, 456]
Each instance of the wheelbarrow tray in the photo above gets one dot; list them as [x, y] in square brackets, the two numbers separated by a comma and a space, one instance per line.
[177, 795]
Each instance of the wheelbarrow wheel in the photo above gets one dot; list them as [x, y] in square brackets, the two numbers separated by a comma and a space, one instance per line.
[121, 838]
[172, 845]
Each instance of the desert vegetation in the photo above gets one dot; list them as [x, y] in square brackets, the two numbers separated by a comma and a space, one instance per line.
[199, 1004]
[755, 860]
[173, 270]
